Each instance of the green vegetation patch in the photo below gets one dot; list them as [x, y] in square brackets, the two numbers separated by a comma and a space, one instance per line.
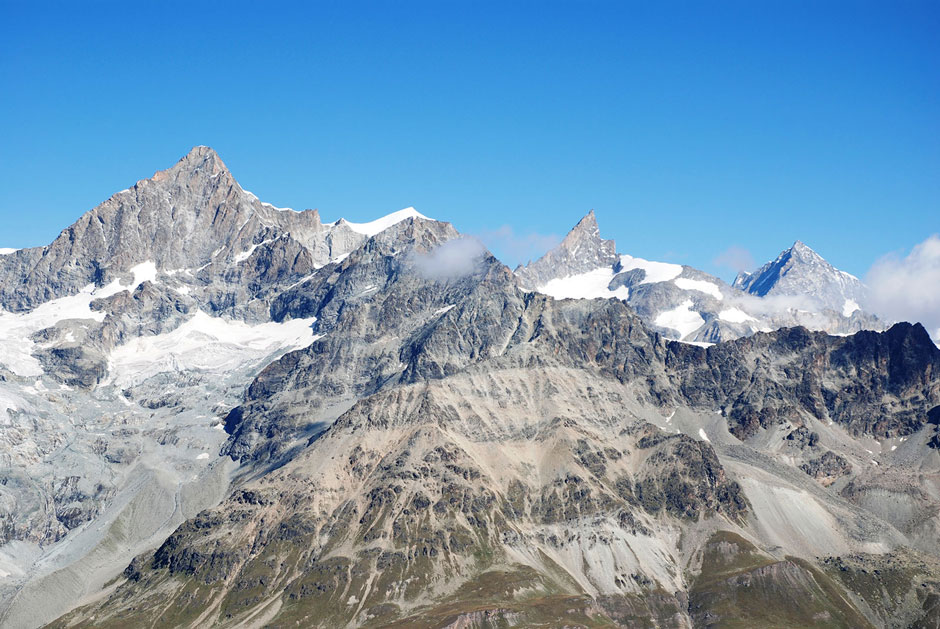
[740, 587]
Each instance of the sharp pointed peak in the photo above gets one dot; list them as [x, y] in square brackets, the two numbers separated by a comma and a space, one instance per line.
[200, 155]
[588, 219]
[199, 158]
[581, 250]
[201, 150]
[587, 224]
[802, 250]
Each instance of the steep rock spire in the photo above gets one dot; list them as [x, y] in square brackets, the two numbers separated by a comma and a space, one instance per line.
[582, 250]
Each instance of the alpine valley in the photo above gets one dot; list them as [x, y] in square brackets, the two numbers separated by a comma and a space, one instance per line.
[218, 413]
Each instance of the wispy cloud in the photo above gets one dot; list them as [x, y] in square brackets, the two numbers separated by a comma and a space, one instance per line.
[736, 258]
[777, 305]
[908, 288]
[513, 248]
[453, 259]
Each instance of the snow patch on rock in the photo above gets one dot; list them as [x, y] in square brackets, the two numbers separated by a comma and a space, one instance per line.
[206, 343]
[681, 318]
[655, 271]
[244, 255]
[590, 285]
[702, 286]
[735, 315]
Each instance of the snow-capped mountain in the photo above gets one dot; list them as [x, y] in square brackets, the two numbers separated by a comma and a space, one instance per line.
[686, 304]
[801, 272]
[121, 342]
[196, 227]
[214, 412]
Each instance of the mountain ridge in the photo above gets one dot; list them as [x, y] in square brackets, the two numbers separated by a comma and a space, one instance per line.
[689, 305]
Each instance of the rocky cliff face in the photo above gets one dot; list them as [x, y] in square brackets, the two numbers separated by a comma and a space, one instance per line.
[382, 425]
[882, 385]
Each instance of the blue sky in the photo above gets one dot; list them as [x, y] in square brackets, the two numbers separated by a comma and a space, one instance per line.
[690, 128]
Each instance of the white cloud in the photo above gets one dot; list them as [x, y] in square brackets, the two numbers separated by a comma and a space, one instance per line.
[453, 259]
[771, 305]
[735, 258]
[514, 248]
[908, 288]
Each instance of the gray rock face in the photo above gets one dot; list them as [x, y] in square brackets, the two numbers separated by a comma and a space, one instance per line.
[801, 272]
[877, 384]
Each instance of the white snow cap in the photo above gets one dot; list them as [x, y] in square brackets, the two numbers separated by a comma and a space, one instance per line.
[381, 224]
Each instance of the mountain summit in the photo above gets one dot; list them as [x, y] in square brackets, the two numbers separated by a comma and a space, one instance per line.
[582, 250]
[801, 272]
[199, 158]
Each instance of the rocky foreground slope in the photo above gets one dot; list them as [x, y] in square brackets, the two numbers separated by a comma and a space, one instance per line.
[437, 445]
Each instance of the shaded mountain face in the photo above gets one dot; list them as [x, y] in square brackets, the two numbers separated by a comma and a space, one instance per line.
[801, 272]
[683, 303]
[381, 425]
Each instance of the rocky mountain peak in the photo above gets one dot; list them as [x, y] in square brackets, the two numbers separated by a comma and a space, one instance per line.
[586, 234]
[200, 161]
[588, 224]
[580, 251]
[804, 253]
[192, 215]
[802, 273]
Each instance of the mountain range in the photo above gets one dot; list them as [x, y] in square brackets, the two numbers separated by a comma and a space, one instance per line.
[216, 412]
[683, 303]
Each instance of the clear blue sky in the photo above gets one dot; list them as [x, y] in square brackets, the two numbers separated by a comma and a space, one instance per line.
[688, 127]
